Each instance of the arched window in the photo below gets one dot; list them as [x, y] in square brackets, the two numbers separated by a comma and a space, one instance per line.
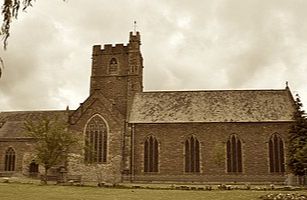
[276, 153]
[10, 158]
[191, 154]
[234, 154]
[113, 66]
[151, 154]
[96, 141]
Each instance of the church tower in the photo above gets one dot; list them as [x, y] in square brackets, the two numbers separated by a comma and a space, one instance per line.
[117, 71]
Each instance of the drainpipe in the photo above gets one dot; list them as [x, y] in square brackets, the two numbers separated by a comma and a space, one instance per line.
[132, 153]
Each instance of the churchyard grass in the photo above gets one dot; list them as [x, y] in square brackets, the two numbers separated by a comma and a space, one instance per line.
[17, 191]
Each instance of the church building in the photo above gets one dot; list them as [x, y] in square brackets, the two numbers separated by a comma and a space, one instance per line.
[162, 136]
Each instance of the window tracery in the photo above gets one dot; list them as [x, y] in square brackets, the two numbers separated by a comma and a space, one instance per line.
[151, 154]
[234, 154]
[96, 141]
[192, 162]
[276, 154]
[10, 159]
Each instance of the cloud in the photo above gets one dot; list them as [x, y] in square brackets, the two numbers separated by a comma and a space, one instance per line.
[206, 44]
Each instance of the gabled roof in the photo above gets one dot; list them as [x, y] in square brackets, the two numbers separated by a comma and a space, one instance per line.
[12, 123]
[212, 106]
[96, 96]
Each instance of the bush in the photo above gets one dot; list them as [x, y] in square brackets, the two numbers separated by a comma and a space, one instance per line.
[283, 197]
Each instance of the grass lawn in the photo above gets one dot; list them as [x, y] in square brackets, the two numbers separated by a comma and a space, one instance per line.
[14, 191]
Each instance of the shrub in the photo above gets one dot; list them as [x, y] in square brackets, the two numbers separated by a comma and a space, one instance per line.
[283, 197]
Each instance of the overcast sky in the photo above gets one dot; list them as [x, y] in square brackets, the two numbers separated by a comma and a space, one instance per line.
[207, 44]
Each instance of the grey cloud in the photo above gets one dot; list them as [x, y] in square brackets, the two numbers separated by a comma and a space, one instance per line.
[206, 44]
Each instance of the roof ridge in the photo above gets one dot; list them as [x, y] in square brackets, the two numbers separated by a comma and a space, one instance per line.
[33, 111]
[218, 90]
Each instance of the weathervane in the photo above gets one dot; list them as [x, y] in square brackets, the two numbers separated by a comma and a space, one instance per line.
[134, 26]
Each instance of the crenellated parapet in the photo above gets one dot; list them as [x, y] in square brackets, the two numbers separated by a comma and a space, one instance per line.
[117, 70]
[110, 49]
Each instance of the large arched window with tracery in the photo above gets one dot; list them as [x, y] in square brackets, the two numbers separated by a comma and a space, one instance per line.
[10, 159]
[276, 153]
[191, 148]
[234, 154]
[151, 154]
[96, 141]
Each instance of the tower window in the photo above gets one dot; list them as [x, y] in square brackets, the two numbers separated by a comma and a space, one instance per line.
[276, 153]
[151, 154]
[234, 154]
[96, 141]
[134, 69]
[113, 66]
[10, 159]
[192, 155]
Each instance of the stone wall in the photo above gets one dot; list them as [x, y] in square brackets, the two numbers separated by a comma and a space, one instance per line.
[110, 97]
[22, 149]
[103, 172]
[212, 138]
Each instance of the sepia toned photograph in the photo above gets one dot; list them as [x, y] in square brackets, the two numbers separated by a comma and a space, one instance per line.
[142, 100]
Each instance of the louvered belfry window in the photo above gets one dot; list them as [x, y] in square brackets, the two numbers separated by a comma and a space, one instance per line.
[276, 154]
[10, 159]
[151, 154]
[192, 162]
[234, 154]
[96, 141]
[113, 66]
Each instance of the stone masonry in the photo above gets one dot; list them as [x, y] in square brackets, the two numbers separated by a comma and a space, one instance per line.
[131, 115]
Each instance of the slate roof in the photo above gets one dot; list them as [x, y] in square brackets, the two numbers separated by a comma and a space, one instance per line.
[11, 123]
[212, 106]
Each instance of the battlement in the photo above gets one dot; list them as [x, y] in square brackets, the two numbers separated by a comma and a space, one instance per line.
[117, 70]
[135, 36]
[110, 49]
[96, 50]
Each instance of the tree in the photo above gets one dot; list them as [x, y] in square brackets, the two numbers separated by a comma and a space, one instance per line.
[52, 141]
[297, 150]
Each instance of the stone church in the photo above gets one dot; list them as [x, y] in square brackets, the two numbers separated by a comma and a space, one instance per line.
[162, 136]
